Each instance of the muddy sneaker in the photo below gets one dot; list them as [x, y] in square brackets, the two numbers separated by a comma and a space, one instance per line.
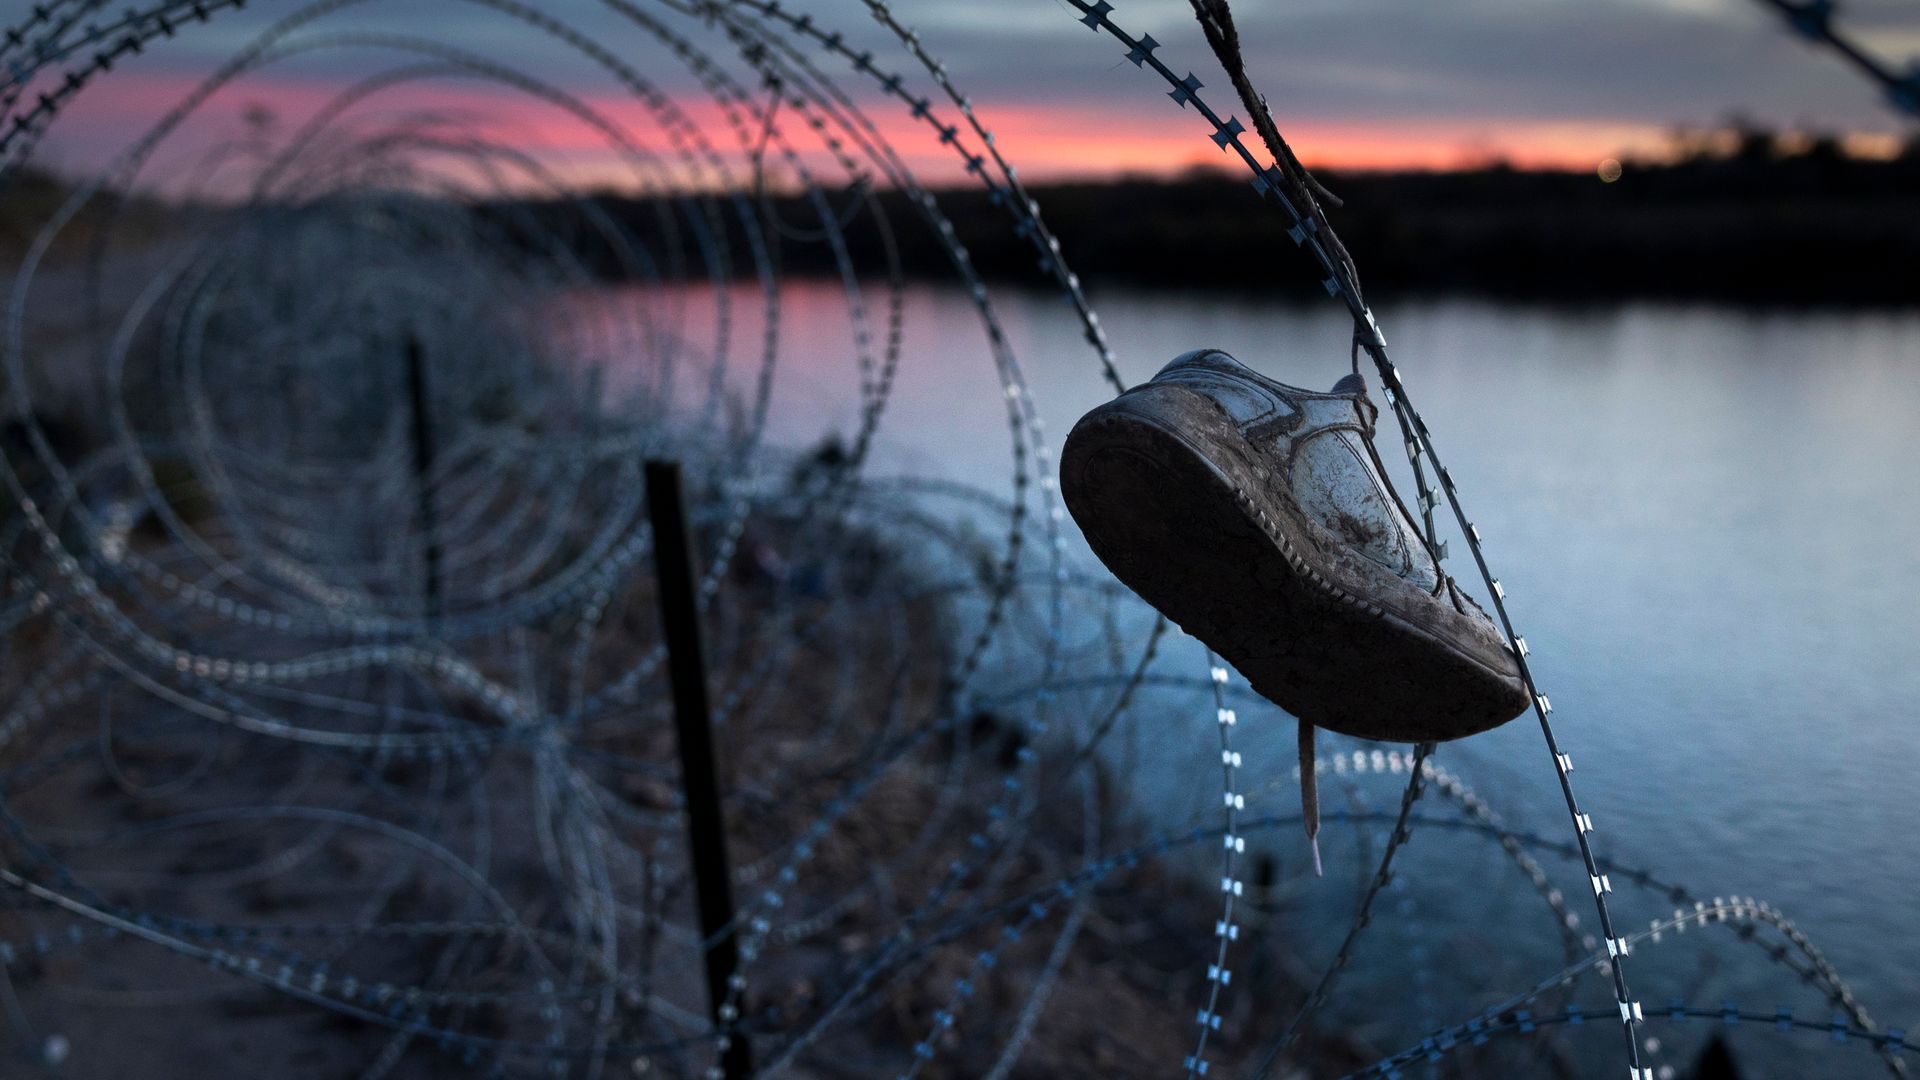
[1258, 517]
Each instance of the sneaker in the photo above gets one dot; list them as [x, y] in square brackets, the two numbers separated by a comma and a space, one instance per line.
[1259, 518]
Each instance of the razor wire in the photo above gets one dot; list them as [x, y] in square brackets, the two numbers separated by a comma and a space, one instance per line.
[215, 666]
[1310, 232]
[231, 587]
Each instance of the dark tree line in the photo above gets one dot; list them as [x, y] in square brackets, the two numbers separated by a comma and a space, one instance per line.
[1754, 217]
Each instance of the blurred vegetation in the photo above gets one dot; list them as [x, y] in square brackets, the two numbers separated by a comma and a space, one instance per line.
[1738, 214]
[29, 198]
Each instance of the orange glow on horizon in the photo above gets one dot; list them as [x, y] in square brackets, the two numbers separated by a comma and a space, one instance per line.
[1084, 142]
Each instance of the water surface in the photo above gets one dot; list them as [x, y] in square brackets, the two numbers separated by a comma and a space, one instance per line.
[1706, 520]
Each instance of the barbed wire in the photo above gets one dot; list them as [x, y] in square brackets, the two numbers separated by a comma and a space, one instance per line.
[1311, 232]
[245, 744]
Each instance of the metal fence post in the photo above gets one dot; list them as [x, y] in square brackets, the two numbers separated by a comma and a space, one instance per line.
[423, 469]
[692, 714]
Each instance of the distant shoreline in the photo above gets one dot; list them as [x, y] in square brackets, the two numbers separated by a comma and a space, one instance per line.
[1811, 230]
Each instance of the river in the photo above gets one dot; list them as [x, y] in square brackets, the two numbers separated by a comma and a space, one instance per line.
[1707, 521]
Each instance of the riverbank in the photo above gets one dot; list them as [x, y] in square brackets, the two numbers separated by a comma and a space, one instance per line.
[1811, 229]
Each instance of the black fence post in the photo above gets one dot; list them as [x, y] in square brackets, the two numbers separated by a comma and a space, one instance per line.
[699, 776]
[423, 469]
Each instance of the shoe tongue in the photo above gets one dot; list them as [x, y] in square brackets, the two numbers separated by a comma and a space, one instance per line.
[1351, 384]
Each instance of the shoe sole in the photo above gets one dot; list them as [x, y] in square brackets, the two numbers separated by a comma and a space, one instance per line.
[1180, 533]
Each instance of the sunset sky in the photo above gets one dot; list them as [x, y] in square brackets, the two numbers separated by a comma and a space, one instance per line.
[1355, 83]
